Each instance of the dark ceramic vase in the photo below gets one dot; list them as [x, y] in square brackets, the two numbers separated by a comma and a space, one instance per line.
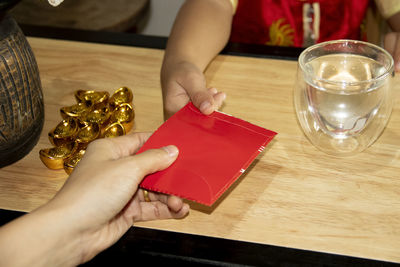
[21, 98]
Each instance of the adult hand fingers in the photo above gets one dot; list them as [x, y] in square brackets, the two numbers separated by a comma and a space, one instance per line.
[158, 210]
[173, 202]
[150, 161]
[130, 144]
[118, 147]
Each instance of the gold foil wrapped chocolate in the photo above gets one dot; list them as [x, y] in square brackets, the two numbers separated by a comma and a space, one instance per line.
[95, 115]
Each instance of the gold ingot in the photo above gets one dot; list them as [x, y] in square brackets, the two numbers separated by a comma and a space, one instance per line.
[76, 110]
[95, 115]
[124, 114]
[120, 96]
[88, 133]
[54, 157]
[82, 146]
[113, 130]
[71, 162]
[92, 98]
[64, 132]
[99, 116]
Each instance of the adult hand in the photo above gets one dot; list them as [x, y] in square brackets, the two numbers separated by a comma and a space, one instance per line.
[392, 45]
[102, 194]
[183, 82]
[98, 203]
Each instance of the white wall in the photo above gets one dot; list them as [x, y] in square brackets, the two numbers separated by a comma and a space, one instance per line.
[162, 14]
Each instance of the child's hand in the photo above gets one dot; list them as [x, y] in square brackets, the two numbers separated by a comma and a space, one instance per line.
[392, 45]
[183, 82]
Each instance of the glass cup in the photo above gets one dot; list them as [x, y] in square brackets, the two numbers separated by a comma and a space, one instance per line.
[343, 96]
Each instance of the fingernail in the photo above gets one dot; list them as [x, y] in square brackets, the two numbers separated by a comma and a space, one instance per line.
[204, 106]
[213, 90]
[171, 150]
[223, 96]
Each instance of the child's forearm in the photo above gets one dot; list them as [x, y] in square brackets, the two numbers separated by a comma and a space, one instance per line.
[200, 32]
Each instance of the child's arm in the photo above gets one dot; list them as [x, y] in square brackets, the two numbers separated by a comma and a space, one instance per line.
[390, 10]
[201, 30]
[392, 39]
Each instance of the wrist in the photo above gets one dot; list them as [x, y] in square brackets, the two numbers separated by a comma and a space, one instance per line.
[75, 239]
[63, 241]
[174, 70]
[42, 237]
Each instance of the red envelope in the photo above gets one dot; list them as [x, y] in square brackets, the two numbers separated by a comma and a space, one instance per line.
[214, 151]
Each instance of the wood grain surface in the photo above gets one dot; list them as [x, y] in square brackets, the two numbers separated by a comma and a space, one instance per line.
[293, 195]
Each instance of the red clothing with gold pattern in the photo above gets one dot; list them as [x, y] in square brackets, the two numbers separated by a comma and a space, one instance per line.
[297, 22]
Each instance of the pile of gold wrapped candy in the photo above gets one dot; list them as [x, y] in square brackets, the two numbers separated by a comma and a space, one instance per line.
[96, 115]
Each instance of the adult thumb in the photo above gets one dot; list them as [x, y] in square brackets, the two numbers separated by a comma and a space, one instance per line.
[152, 160]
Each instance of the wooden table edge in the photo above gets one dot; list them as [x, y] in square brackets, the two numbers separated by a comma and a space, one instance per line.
[159, 246]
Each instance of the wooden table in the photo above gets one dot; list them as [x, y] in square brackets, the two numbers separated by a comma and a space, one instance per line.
[293, 195]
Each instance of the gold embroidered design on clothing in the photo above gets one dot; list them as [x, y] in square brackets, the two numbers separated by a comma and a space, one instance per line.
[281, 34]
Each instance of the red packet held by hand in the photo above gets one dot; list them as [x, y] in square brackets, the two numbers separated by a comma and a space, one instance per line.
[214, 151]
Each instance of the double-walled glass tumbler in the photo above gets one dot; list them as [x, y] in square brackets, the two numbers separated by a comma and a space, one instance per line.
[343, 96]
